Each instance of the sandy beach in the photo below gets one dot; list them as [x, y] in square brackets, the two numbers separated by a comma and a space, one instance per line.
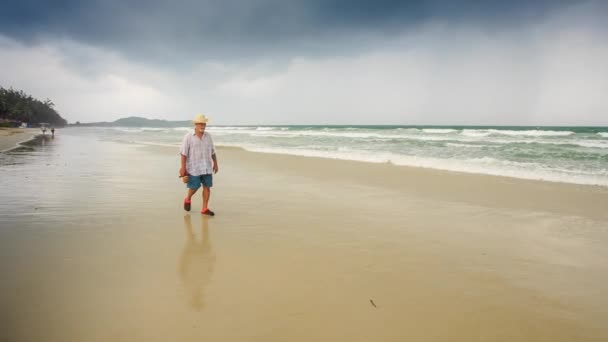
[11, 137]
[97, 248]
[389, 171]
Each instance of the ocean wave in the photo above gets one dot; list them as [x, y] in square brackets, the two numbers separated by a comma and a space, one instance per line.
[588, 143]
[532, 133]
[603, 134]
[238, 128]
[439, 130]
[154, 129]
[140, 129]
[468, 138]
[463, 140]
[483, 165]
[335, 134]
[566, 157]
[495, 161]
[475, 133]
[459, 145]
[280, 134]
[431, 133]
[557, 143]
[128, 130]
[514, 133]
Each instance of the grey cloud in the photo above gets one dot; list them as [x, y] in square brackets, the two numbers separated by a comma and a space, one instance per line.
[186, 32]
[294, 62]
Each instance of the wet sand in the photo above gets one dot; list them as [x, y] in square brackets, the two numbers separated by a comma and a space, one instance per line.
[301, 249]
[11, 137]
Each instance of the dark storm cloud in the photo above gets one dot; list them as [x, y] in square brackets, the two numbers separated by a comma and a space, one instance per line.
[185, 31]
[512, 62]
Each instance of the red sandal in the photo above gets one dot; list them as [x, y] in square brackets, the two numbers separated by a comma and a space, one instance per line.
[207, 212]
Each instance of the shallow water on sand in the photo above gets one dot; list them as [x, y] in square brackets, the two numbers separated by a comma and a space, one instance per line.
[94, 246]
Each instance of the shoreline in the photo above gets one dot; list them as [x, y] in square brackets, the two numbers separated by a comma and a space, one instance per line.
[12, 138]
[391, 164]
[416, 167]
[417, 182]
[453, 186]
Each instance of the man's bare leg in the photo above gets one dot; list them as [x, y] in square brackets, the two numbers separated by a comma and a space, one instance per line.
[188, 199]
[206, 195]
[191, 193]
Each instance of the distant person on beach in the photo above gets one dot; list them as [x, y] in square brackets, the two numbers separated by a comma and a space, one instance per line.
[53, 132]
[43, 129]
[198, 163]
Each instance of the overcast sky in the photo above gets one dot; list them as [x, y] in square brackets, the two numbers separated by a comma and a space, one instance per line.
[516, 62]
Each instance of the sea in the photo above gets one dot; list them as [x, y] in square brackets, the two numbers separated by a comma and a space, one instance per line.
[558, 154]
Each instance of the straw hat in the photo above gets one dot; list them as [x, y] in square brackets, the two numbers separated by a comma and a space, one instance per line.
[200, 118]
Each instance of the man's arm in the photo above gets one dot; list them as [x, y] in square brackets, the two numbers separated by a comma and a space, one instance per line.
[182, 170]
[183, 152]
[213, 155]
[215, 166]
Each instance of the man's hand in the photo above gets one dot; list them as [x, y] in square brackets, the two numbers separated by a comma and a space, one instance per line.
[215, 168]
[182, 171]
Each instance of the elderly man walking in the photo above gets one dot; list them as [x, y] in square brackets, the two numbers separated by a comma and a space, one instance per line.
[198, 163]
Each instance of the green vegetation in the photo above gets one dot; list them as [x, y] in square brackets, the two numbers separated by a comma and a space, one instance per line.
[17, 106]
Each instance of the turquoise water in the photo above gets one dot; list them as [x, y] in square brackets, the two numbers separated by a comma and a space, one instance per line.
[560, 154]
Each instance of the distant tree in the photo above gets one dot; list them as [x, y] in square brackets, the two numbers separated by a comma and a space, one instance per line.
[19, 106]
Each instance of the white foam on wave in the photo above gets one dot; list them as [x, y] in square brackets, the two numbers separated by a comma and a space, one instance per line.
[459, 145]
[280, 134]
[485, 165]
[154, 129]
[410, 129]
[464, 139]
[475, 133]
[432, 134]
[453, 141]
[588, 143]
[336, 134]
[573, 142]
[603, 134]
[438, 130]
[232, 128]
[128, 129]
[523, 133]
[139, 129]
[532, 133]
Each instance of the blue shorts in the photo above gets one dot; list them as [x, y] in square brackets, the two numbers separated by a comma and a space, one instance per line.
[194, 182]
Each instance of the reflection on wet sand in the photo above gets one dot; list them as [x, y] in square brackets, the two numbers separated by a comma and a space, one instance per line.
[196, 263]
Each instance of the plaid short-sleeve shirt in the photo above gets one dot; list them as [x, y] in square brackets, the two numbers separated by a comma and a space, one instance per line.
[198, 152]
